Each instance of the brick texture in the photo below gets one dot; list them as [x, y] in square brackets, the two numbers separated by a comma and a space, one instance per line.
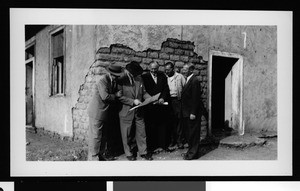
[172, 50]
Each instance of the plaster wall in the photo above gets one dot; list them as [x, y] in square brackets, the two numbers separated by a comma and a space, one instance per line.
[82, 42]
[260, 66]
[54, 113]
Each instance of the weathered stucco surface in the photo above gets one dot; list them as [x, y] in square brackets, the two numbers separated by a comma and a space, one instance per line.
[55, 113]
[82, 42]
[260, 66]
[137, 37]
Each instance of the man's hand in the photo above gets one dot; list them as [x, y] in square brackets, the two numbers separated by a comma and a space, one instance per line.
[161, 101]
[137, 102]
[119, 93]
[192, 117]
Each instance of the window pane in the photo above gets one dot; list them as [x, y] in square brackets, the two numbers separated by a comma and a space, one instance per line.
[57, 44]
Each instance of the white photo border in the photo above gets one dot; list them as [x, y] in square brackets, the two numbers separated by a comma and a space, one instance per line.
[19, 17]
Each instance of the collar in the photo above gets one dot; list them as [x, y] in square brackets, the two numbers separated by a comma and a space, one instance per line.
[189, 77]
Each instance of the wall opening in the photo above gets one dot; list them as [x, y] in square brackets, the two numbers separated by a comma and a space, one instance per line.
[29, 83]
[29, 94]
[225, 92]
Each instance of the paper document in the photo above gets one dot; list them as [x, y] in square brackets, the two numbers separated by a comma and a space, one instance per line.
[147, 101]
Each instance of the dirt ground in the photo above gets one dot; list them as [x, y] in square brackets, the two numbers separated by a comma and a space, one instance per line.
[41, 147]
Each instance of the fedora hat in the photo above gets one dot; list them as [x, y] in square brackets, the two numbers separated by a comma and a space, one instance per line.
[134, 68]
[114, 69]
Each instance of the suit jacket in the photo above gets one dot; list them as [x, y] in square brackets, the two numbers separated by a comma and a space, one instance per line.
[191, 98]
[130, 92]
[103, 96]
[161, 87]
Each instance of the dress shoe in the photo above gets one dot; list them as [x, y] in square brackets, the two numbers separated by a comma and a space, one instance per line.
[131, 158]
[186, 156]
[147, 156]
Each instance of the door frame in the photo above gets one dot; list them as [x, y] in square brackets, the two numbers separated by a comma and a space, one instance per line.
[33, 87]
[240, 61]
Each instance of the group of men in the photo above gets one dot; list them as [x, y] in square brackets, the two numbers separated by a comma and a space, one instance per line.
[168, 123]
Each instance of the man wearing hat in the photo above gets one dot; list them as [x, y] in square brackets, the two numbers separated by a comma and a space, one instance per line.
[133, 93]
[105, 93]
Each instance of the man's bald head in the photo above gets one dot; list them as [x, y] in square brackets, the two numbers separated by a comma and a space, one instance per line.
[154, 68]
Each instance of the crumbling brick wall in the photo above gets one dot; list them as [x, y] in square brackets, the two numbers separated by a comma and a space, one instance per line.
[172, 50]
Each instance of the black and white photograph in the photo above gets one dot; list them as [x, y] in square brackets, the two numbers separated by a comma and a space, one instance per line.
[146, 90]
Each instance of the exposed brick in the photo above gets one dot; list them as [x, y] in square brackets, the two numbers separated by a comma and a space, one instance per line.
[167, 50]
[122, 50]
[101, 63]
[184, 58]
[191, 47]
[105, 50]
[203, 72]
[200, 77]
[194, 60]
[188, 53]
[184, 46]
[144, 66]
[122, 64]
[147, 60]
[141, 54]
[200, 67]
[175, 40]
[164, 56]
[165, 44]
[159, 61]
[152, 54]
[137, 59]
[99, 71]
[132, 58]
[173, 45]
[196, 72]
[179, 51]
[174, 57]
[161, 68]
[111, 57]
[75, 125]
[179, 64]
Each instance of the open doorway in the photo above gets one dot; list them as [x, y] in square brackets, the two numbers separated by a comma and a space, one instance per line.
[225, 92]
[29, 86]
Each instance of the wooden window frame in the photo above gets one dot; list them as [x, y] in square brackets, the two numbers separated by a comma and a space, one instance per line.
[51, 60]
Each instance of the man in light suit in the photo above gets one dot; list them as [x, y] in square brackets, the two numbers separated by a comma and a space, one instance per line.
[192, 111]
[104, 95]
[133, 93]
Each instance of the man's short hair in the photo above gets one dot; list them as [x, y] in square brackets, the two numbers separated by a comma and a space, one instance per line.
[171, 64]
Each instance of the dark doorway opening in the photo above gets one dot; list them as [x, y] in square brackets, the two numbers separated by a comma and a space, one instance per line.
[29, 93]
[221, 68]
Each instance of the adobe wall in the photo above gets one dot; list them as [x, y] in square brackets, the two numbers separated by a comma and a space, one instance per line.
[67, 116]
[171, 50]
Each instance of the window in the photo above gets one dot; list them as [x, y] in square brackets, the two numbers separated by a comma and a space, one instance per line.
[57, 63]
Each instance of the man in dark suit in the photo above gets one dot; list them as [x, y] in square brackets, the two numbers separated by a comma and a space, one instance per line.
[133, 93]
[192, 111]
[104, 95]
[156, 119]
